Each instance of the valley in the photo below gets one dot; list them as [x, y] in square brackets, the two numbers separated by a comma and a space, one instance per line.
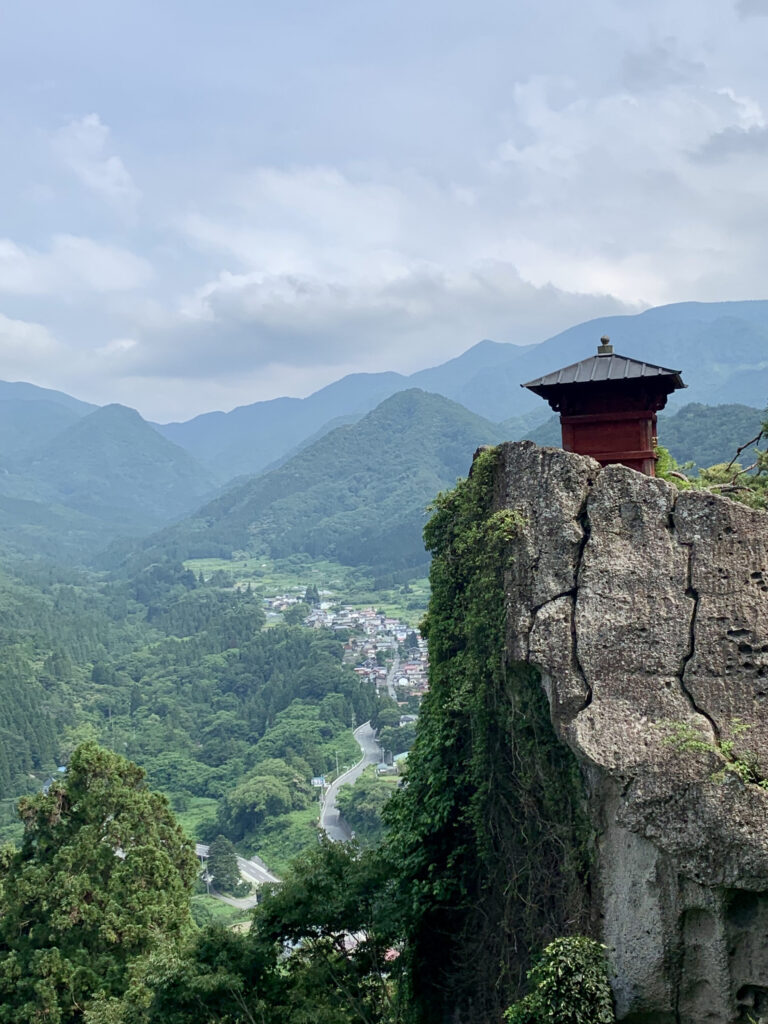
[233, 604]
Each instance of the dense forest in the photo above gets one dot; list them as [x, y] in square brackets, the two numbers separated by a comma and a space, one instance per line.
[229, 719]
[95, 921]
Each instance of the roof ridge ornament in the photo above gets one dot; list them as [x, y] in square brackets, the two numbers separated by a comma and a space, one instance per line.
[605, 348]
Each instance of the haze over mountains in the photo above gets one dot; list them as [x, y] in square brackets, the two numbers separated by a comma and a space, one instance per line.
[346, 472]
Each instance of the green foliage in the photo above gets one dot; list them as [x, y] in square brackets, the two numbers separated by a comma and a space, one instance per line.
[295, 614]
[397, 739]
[742, 762]
[705, 435]
[490, 832]
[361, 806]
[569, 985]
[320, 951]
[744, 478]
[103, 876]
[222, 865]
[178, 675]
[336, 910]
[356, 496]
[686, 738]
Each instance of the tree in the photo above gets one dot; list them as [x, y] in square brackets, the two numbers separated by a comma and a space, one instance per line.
[337, 911]
[295, 615]
[322, 949]
[222, 864]
[103, 876]
[361, 806]
[569, 985]
[312, 595]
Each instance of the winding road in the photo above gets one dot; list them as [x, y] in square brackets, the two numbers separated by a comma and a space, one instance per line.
[251, 870]
[331, 821]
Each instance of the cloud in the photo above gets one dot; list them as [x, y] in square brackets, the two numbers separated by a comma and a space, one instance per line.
[71, 264]
[752, 8]
[27, 350]
[243, 323]
[83, 146]
[618, 199]
[658, 66]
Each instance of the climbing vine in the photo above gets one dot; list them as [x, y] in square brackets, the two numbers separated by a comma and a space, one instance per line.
[490, 836]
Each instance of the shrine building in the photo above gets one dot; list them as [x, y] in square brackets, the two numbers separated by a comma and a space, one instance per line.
[608, 405]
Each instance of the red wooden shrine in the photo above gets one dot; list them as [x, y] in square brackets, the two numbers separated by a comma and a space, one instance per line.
[608, 405]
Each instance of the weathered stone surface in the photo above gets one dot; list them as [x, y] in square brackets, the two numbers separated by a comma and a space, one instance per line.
[551, 495]
[728, 672]
[646, 611]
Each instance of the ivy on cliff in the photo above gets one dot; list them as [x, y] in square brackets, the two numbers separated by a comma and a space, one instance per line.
[490, 835]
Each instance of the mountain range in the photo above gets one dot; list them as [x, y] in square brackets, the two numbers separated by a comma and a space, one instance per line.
[346, 472]
[722, 349]
[357, 495]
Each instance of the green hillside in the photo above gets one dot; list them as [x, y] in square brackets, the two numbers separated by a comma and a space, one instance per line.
[706, 435]
[358, 495]
[721, 348]
[107, 473]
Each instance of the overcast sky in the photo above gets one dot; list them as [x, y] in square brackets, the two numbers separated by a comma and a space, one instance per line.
[207, 204]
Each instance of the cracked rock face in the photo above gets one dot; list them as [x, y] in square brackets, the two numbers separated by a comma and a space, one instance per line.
[646, 611]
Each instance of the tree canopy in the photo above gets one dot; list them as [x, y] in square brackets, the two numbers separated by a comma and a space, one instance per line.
[103, 876]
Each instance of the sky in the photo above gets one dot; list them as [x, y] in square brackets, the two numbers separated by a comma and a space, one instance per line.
[205, 205]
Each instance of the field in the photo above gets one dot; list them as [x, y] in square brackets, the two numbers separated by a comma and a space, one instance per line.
[207, 910]
[340, 583]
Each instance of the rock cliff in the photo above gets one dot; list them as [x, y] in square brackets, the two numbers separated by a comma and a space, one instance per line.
[645, 610]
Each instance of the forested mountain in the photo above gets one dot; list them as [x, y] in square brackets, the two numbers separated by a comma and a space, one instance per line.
[721, 347]
[252, 437]
[71, 483]
[74, 478]
[114, 465]
[358, 495]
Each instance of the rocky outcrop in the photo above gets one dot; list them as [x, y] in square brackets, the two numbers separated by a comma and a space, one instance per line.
[645, 610]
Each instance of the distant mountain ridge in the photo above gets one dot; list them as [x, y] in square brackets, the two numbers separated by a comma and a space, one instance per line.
[74, 477]
[103, 474]
[722, 349]
[357, 495]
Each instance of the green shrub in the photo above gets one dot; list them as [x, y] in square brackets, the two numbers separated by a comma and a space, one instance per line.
[569, 985]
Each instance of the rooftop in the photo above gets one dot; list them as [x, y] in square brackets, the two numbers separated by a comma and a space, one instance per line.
[606, 365]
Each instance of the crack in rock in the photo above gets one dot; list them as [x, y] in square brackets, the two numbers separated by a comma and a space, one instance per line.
[693, 594]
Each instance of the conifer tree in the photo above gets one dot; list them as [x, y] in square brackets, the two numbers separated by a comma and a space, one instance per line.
[103, 876]
[222, 864]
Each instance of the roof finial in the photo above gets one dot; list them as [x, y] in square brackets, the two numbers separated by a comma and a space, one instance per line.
[605, 348]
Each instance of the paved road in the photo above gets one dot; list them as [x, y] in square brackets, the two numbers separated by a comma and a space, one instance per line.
[250, 870]
[394, 670]
[330, 820]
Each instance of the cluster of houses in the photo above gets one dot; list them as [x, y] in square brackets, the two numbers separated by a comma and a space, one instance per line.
[375, 639]
[384, 650]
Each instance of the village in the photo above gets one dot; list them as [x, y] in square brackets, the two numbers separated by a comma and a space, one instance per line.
[383, 649]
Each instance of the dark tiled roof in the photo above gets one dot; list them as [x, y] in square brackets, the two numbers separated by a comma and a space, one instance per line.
[607, 367]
